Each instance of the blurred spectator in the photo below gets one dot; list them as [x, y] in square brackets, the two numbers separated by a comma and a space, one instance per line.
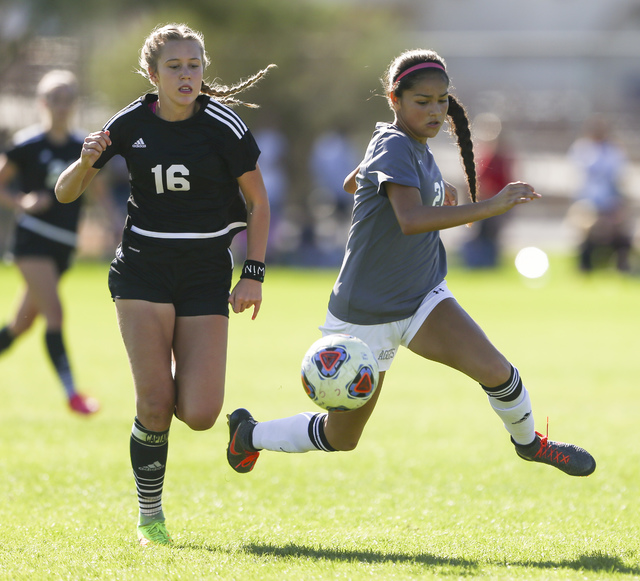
[601, 208]
[274, 149]
[333, 157]
[494, 164]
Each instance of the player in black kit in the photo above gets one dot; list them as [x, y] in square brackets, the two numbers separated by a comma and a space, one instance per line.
[189, 157]
[45, 234]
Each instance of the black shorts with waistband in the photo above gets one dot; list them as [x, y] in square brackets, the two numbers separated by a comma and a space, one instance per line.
[193, 275]
[30, 244]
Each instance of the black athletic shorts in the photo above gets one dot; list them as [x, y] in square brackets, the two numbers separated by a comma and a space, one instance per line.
[27, 243]
[193, 275]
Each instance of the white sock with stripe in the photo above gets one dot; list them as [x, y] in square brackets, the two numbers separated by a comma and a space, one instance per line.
[297, 434]
[512, 404]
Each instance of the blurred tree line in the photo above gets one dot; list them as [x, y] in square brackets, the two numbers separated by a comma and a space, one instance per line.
[330, 56]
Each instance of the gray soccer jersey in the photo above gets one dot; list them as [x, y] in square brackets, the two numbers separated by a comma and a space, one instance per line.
[385, 274]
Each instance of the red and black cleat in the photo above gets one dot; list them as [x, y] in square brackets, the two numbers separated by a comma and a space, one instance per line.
[569, 458]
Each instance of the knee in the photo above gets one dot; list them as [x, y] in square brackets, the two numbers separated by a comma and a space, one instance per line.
[155, 413]
[198, 419]
[19, 327]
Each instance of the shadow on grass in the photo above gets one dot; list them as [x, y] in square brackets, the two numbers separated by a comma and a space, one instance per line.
[295, 550]
[596, 561]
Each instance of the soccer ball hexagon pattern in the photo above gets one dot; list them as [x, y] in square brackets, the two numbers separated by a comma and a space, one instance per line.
[339, 372]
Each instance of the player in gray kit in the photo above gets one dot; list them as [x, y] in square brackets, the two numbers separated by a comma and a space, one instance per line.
[391, 289]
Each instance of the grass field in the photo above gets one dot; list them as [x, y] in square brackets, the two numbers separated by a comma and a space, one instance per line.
[434, 491]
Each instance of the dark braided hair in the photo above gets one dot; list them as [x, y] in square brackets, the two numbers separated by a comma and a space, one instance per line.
[160, 35]
[461, 127]
[457, 114]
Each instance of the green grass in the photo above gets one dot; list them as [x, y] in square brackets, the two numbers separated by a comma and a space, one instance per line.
[434, 490]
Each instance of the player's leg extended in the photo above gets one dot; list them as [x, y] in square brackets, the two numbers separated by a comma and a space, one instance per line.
[22, 320]
[344, 429]
[41, 297]
[42, 278]
[200, 350]
[450, 336]
[147, 331]
[305, 432]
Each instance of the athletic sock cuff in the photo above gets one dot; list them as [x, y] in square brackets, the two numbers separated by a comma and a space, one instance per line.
[509, 390]
[147, 437]
[317, 435]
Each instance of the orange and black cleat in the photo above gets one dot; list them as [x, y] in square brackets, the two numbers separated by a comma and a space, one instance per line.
[241, 455]
[569, 458]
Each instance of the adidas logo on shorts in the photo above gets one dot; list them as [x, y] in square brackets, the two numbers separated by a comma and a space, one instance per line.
[139, 144]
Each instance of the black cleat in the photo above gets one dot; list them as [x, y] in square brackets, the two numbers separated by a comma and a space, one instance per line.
[569, 458]
[241, 455]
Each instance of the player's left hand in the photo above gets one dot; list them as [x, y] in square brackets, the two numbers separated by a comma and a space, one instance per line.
[450, 194]
[246, 294]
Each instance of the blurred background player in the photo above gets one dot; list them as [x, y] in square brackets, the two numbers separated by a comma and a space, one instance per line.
[45, 235]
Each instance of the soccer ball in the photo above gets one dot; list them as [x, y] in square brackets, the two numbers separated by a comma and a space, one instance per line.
[339, 372]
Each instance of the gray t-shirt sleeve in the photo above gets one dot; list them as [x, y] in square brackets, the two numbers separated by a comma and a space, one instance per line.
[392, 161]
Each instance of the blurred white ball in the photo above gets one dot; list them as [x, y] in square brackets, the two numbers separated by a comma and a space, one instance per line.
[532, 262]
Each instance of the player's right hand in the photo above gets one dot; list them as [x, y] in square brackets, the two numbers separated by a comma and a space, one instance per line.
[513, 194]
[93, 146]
[35, 202]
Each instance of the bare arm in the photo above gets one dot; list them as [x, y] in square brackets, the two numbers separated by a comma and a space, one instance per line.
[350, 186]
[414, 218]
[7, 171]
[74, 180]
[248, 292]
[33, 202]
[258, 213]
[451, 194]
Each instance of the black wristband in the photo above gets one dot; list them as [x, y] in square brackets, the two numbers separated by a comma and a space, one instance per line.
[254, 270]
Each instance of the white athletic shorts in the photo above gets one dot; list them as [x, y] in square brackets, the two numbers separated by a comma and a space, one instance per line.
[385, 339]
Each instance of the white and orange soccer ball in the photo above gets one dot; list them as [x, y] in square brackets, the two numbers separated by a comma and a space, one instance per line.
[339, 372]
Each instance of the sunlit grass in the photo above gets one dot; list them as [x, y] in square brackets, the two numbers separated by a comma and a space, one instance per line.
[434, 489]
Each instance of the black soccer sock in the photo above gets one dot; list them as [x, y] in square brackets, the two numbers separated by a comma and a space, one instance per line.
[6, 338]
[58, 356]
[149, 452]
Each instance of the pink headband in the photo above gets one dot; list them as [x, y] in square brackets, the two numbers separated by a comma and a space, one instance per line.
[417, 67]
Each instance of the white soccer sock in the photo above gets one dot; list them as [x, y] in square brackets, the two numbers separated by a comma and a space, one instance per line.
[517, 416]
[285, 435]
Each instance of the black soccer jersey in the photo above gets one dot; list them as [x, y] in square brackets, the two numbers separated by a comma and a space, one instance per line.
[40, 163]
[183, 174]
